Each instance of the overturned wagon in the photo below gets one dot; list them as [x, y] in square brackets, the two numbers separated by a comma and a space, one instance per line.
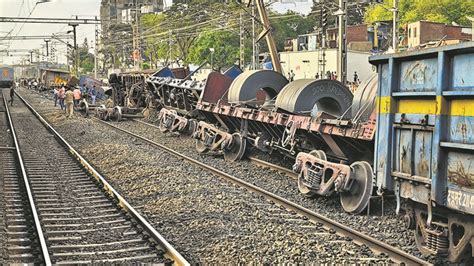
[406, 131]
[311, 120]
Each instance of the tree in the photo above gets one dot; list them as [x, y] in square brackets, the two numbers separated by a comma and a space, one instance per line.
[172, 33]
[444, 11]
[86, 59]
[225, 44]
[355, 12]
[290, 25]
[157, 48]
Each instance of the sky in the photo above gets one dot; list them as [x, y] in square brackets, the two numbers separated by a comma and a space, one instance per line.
[53, 9]
[68, 9]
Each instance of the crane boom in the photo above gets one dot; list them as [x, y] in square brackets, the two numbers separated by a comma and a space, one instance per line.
[267, 33]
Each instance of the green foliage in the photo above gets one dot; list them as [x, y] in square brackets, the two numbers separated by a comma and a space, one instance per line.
[445, 11]
[172, 33]
[225, 44]
[86, 59]
[156, 46]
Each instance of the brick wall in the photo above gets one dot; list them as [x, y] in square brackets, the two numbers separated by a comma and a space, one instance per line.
[357, 33]
[432, 31]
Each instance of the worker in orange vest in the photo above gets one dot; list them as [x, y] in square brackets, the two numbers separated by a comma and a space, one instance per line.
[77, 96]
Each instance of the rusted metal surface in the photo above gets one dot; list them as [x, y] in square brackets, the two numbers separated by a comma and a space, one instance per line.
[216, 88]
[321, 123]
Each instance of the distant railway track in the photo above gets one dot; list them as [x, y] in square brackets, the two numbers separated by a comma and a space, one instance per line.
[377, 246]
[79, 217]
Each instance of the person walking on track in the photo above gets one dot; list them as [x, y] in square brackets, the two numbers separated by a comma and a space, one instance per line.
[61, 95]
[12, 93]
[69, 99]
[92, 94]
[55, 94]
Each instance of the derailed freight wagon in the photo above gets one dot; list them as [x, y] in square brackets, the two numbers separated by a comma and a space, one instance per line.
[424, 145]
[407, 131]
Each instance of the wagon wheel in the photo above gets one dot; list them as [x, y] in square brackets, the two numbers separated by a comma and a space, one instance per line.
[319, 154]
[200, 147]
[162, 125]
[191, 127]
[84, 108]
[117, 113]
[237, 148]
[357, 198]
[100, 112]
[302, 187]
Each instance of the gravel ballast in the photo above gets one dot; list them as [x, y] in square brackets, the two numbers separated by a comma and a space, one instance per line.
[140, 170]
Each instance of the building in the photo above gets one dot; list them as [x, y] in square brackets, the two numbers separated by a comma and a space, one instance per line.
[305, 64]
[422, 32]
[112, 10]
[359, 38]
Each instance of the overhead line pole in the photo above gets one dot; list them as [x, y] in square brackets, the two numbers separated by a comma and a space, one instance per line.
[395, 26]
[342, 53]
[76, 63]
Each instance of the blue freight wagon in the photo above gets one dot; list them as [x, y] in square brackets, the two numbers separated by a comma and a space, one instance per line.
[6, 77]
[424, 144]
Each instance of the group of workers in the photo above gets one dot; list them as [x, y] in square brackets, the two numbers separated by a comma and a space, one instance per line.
[68, 97]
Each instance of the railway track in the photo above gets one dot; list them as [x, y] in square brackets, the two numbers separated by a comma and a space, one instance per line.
[20, 237]
[377, 246]
[254, 160]
[320, 221]
[79, 217]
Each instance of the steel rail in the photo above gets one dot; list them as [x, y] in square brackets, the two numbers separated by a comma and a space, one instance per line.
[39, 230]
[272, 166]
[170, 250]
[395, 254]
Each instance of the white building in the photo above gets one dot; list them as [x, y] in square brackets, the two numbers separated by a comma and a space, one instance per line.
[305, 63]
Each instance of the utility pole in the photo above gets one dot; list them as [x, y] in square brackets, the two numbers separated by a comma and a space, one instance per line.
[170, 34]
[76, 60]
[242, 41]
[395, 26]
[342, 56]
[95, 50]
[136, 38]
[47, 47]
[254, 48]
[322, 48]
